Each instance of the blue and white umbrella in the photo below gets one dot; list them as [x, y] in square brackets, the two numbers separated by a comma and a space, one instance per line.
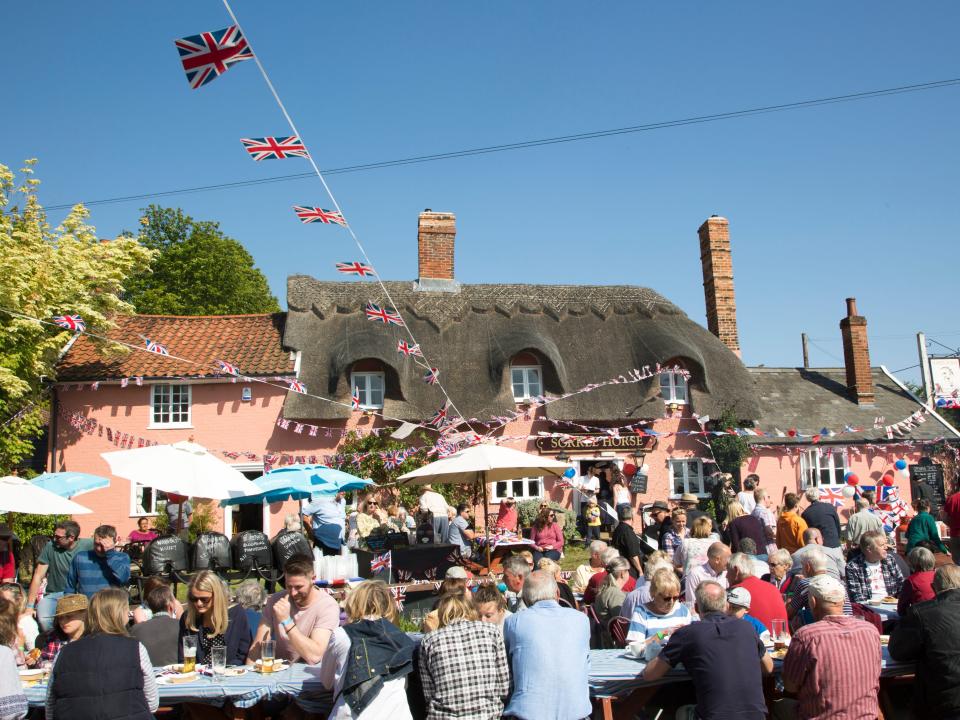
[70, 484]
[299, 482]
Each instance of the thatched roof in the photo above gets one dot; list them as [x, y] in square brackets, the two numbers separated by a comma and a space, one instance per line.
[582, 335]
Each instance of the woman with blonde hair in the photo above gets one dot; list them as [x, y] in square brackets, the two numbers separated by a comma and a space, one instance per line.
[664, 613]
[463, 665]
[27, 628]
[209, 619]
[740, 525]
[373, 686]
[450, 586]
[13, 702]
[692, 551]
[106, 673]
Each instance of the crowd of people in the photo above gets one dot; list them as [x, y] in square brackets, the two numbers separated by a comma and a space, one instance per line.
[714, 593]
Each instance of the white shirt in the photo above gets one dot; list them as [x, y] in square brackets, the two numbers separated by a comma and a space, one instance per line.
[589, 485]
[746, 500]
[878, 588]
[390, 702]
[434, 502]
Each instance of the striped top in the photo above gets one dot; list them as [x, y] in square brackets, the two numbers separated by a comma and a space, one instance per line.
[834, 667]
[645, 623]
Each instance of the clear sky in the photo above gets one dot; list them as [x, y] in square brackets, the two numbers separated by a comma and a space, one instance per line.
[853, 199]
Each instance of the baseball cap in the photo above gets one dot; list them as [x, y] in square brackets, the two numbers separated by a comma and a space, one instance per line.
[70, 604]
[739, 596]
[455, 571]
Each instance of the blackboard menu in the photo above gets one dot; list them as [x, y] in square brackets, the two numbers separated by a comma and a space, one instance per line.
[928, 473]
[638, 483]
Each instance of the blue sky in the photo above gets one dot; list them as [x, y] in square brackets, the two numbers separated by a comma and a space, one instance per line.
[852, 199]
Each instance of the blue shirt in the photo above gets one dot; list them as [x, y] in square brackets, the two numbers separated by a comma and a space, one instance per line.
[327, 518]
[90, 572]
[549, 651]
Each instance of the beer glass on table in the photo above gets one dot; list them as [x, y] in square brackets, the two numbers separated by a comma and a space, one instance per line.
[218, 662]
[779, 634]
[189, 654]
[267, 656]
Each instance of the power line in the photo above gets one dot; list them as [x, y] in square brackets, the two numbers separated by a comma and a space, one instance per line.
[521, 145]
[825, 351]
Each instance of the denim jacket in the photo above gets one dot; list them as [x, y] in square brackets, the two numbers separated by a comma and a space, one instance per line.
[379, 651]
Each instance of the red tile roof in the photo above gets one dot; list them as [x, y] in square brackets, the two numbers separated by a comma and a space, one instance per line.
[253, 343]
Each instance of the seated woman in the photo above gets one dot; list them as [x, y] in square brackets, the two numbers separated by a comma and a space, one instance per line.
[780, 562]
[27, 629]
[547, 536]
[664, 613]
[610, 598]
[368, 519]
[211, 622]
[450, 586]
[491, 605]
[143, 533]
[374, 687]
[251, 596]
[919, 586]
[13, 703]
[566, 594]
[507, 516]
[81, 686]
[70, 624]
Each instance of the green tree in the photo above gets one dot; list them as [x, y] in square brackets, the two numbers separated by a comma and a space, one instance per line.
[44, 272]
[199, 270]
[728, 450]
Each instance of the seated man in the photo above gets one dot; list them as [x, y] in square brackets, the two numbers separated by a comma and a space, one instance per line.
[583, 573]
[766, 602]
[813, 542]
[738, 606]
[724, 658]
[815, 564]
[515, 571]
[100, 568]
[460, 532]
[300, 619]
[160, 634]
[593, 586]
[873, 574]
[548, 647]
[715, 568]
[833, 664]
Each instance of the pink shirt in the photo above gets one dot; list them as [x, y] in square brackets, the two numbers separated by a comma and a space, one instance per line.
[835, 666]
[323, 613]
[548, 535]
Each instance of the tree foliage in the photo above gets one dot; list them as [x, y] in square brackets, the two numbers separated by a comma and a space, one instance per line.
[44, 272]
[199, 270]
[729, 450]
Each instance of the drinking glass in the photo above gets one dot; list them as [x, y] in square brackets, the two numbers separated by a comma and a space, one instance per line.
[416, 617]
[218, 662]
[267, 656]
[779, 633]
[189, 654]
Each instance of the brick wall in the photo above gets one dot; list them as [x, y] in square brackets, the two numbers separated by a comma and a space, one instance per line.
[856, 355]
[717, 262]
[436, 232]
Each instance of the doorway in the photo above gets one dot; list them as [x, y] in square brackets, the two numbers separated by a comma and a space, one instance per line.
[605, 495]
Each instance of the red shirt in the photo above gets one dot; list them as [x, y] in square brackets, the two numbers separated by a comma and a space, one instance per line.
[596, 580]
[835, 666]
[916, 588]
[766, 602]
[952, 510]
[8, 569]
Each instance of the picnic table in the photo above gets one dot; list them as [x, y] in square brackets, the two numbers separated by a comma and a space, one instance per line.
[887, 612]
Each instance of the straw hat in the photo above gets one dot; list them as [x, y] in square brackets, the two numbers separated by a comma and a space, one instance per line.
[71, 604]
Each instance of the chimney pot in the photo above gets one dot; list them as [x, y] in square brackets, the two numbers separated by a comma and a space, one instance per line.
[851, 307]
[717, 263]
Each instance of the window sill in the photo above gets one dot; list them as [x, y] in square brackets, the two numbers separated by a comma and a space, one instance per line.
[170, 426]
[677, 496]
[145, 514]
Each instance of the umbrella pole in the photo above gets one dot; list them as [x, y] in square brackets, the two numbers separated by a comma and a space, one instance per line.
[486, 520]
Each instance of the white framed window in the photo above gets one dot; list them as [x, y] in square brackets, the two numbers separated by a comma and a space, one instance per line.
[526, 382]
[686, 476]
[170, 406]
[521, 489]
[143, 500]
[369, 387]
[673, 387]
[820, 468]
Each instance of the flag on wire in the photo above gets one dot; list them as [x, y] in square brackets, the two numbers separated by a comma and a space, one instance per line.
[431, 376]
[275, 148]
[155, 347]
[355, 399]
[378, 314]
[406, 348]
[208, 55]
[390, 459]
[315, 214]
[355, 268]
[439, 417]
[228, 369]
[831, 495]
[70, 322]
[297, 387]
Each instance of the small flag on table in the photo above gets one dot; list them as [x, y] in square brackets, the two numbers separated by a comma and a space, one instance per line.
[355, 268]
[274, 148]
[380, 562]
[70, 322]
[315, 214]
[208, 55]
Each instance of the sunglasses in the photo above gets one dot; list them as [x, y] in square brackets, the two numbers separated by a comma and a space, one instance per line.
[673, 598]
[200, 600]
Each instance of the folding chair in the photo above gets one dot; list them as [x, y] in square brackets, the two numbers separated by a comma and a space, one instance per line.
[618, 628]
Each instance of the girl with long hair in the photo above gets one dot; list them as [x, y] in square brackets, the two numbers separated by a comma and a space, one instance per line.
[212, 622]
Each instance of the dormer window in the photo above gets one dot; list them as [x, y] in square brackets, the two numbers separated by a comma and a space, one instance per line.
[367, 383]
[526, 377]
[673, 387]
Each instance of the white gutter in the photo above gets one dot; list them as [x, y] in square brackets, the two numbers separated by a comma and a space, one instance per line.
[928, 408]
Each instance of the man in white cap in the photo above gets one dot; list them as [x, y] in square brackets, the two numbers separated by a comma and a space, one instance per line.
[738, 606]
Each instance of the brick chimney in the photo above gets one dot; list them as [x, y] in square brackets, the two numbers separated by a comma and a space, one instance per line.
[856, 355]
[436, 232]
[717, 265]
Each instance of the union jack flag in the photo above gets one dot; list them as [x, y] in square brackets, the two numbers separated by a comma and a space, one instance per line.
[390, 459]
[297, 387]
[208, 55]
[831, 495]
[315, 214]
[380, 562]
[378, 314]
[227, 368]
[70, 322]
[399, 595]
[439, 417]
[355, 399]
[355, 268]
[275, 148]
[155, 347]
[431, 376]
[407, 349]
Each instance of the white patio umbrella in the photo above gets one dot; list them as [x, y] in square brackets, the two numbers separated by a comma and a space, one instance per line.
[485, 463]
[183, 468]
[19, 495]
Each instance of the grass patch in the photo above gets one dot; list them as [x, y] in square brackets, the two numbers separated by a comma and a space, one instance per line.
[574, 556]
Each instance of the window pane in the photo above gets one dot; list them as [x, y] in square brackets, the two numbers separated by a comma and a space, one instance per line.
[517, 376]
[678, 480]
[517, 486]
[533, 375]
[680, 393]
[501, 491]
[518, 391]
[533, 488]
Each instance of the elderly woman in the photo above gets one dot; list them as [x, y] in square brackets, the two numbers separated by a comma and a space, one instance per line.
[547, 536]
[566, 594]
[610, 598]
[251, 596]
[657, 560]
[664, 613]
[923, 528]
[918, 587]
[692, 551]
[779, 576]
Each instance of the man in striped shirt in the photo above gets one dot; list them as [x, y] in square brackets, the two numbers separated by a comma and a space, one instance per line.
[833, 665]
[815, 564]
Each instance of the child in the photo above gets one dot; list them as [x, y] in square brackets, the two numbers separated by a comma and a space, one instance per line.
[593, 521]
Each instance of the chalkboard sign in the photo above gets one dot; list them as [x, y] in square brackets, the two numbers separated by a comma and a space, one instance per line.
[638, 483]
[929, 474]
